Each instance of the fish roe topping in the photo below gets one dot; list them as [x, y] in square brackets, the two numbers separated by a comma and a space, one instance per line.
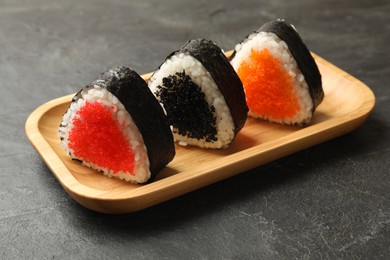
[187, 109]
[97, 138]
[268, 86]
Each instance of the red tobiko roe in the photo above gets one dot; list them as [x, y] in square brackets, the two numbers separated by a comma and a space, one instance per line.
[96, 137]
[268, 86]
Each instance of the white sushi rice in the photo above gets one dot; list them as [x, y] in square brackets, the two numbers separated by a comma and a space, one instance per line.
[279, 50]
[98, 94]
[199, 75]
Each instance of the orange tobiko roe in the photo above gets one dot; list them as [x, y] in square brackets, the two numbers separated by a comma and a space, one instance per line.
[268, 86]
[96, 137]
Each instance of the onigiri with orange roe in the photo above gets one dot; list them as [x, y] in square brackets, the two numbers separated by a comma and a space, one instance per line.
[281, 80]
[116, 126]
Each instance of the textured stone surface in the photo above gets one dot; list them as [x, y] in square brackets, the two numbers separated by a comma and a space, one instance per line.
[330, 201]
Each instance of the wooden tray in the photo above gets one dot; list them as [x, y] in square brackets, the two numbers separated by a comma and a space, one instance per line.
[347, 104]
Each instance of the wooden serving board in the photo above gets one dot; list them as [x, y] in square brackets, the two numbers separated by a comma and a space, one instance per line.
[346, 105]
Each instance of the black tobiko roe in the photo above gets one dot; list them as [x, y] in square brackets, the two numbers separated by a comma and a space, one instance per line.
[187, 109]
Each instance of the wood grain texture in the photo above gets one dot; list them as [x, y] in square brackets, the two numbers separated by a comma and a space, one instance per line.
[346, 105]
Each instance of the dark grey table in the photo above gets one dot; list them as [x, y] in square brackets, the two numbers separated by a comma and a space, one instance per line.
[329, 201]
